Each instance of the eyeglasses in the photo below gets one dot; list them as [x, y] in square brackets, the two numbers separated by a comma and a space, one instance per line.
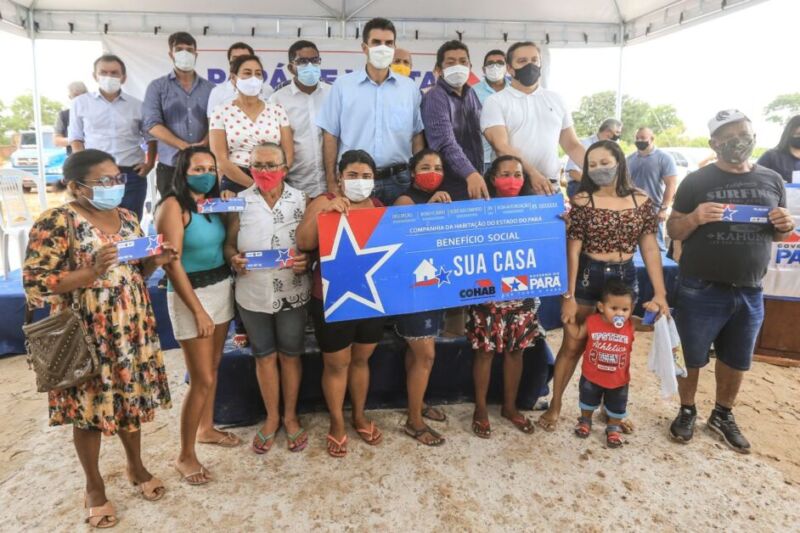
[267, 166]
[303, 61]
[498, 62]
[107, 181]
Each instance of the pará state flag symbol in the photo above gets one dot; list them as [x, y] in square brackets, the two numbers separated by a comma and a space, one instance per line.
[515, 284]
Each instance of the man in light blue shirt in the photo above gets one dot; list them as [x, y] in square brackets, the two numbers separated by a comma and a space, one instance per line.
[655, 172]
[494, 71]
[610, 129]
[175, 107]
[374, 110]
[111, 121]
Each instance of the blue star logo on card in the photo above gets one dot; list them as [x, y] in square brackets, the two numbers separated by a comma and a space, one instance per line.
[515, 284]
[728, 211]
[218, 205]
[133, 249]
[349, 270]
[444, 276]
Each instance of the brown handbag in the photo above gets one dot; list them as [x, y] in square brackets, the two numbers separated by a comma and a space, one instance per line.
[60, 348]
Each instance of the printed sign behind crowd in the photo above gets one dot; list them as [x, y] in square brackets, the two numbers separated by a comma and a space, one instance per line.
[380, 261]
[783, 275]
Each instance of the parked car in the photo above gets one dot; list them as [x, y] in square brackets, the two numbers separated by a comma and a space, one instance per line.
[26, 157]
[689, 159]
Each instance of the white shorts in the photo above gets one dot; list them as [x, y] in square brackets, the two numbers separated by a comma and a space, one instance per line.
[217, 300]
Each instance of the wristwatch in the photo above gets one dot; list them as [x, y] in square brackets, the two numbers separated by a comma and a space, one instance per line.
[566, 296]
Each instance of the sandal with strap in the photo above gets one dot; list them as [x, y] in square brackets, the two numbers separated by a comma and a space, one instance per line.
[546, 424]
[521, 422]
[584, 427]
[482, 428]
[101, 517]
[228, 440]
[185, 478]
[266, 442]
[417, 434]
[614, 436]
[371, 436]
[152, 490]
[292, 441]
[432, 413]
[337, 448]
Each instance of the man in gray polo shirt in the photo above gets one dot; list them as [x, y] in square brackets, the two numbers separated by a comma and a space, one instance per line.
[654, 171]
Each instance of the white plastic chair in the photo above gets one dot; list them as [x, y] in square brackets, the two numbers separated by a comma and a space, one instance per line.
[15, 218]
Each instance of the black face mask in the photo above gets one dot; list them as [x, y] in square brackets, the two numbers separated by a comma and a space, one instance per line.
[615, 138]
[794, 142]
[528, 75]
[642, 145]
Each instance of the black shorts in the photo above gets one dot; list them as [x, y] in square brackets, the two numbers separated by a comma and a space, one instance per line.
[335, 336]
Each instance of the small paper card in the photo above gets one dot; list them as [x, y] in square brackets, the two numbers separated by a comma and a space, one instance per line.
[280, 258]
[218, 205]
[755, 214]
[139, 248]
[649, 318]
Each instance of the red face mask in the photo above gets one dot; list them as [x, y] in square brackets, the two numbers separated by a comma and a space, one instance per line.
[266, 180]
[507, 186]
[428, 181]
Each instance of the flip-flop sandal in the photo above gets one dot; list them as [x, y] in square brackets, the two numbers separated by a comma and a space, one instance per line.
[432, 413]
[417, 434]
[336, 448]
[292, 441]
[228, 440]
[584, 427]
[371, 436]
[521, 422]
[482, 428]
[201, 472]
[546, 425]
[152, 490]
[626, 424]
[614, 437]
[101, 517]
[266, 442]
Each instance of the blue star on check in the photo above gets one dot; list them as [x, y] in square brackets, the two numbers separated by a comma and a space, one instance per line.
[152, 245]
[347, 274]
[444, 276]
[283, 257]
[727, 213]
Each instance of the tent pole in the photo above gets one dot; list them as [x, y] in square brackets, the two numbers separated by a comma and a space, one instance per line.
[41, 186]
[618, 104]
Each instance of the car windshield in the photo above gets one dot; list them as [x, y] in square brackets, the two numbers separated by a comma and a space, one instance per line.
[29, 139]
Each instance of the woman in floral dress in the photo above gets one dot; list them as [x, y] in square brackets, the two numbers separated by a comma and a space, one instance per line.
[115, 305]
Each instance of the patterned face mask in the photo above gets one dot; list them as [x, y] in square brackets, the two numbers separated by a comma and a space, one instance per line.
[736, 150]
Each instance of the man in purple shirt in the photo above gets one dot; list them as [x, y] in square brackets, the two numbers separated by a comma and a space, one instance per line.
[451, 114]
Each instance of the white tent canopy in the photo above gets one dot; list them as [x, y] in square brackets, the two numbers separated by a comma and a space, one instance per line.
[558, 23]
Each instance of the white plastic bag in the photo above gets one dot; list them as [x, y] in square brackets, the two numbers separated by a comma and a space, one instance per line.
[666, 359]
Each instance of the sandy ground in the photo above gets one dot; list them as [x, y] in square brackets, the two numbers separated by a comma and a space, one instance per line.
[511, 482]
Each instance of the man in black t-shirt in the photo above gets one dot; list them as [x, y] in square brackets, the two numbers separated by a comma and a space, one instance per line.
[719, 297]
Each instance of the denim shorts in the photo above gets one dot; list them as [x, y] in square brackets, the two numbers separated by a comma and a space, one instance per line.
[419, 325]
[729, 317]
[282, 332]
[593, 275]
[390, 188]
[615, 401]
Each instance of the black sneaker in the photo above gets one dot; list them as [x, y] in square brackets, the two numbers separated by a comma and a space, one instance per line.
[725, 426]
[682, 428]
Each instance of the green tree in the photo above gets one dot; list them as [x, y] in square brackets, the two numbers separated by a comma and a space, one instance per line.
[782, 108]
[635, 113]
[19, 115]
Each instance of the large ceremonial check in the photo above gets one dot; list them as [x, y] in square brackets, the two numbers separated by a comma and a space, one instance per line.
[398, 260]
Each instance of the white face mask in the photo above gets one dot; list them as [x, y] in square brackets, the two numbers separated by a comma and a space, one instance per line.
[184, 60]
[109, 84]
[495, 72]
[249, 86]
[358, 190]
[381, 56]
[456, 76]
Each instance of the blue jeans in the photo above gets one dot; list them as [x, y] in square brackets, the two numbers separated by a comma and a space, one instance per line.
[730, 317]
[390, 188]
[135, 192]
[282, 332]
[591, 395]
[593, 275]
[419, 325]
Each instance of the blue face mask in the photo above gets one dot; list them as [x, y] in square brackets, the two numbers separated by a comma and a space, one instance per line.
[201, 183]
[106, 198]
[308, 75]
